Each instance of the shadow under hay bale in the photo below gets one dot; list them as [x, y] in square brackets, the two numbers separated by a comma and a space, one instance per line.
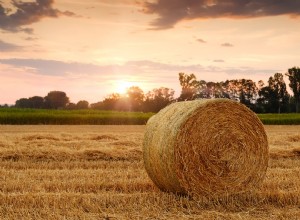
[206, 147]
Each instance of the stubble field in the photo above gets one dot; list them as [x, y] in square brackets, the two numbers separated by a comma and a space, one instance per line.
[96, 172]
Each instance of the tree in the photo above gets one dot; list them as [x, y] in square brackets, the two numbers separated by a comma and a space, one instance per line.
[264, 102]
[215, 90]
[113, 101]
[135, 97]
[36, 102]
[56, 100]
[71, 106]
[97, 105]
[82, 104]
[294, 77]
[189, 87]
[203, 91]
[157, 99]
[109, 103]
[248, 92]
[279, 87]
[32, 102]
[22, 103]
[242, 90]
[231, 87]
[274, 97]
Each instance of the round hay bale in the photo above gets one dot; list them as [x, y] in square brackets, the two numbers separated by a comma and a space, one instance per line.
[206, 147]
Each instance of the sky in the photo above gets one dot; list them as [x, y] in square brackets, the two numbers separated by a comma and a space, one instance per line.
[92, 48]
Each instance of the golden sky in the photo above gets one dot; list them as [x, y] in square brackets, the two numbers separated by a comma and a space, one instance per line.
[91, 48]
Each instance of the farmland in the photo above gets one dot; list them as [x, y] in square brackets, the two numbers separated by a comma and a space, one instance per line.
[97, 117]
[280, 119]
[59, 117]
[96, 172]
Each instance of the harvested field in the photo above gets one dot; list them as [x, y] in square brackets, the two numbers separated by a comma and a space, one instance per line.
[97, 172]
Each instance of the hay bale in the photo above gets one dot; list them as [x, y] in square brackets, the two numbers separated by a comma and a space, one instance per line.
[205, 147]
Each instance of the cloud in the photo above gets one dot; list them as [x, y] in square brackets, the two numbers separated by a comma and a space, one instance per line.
[171, 12]
[201, 40]
[52, 67]
[31, 38]
[60, 68]
[26, 13]
[227, 45]
[4, 46]
[145, 69]
[219, 61]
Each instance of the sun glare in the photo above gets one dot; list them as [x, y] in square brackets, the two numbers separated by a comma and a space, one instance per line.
[121, 86]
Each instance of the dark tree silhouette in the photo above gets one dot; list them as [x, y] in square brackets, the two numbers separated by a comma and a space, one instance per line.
[37, 102]
[212, 90]
[32, 102]
[113, 101]
[294, 77]
[135, 97]
[189, 87]
[71, 106]
[56, 100]
[157, 99]
[274, 97]
[22, 103]
[271, 98]
[110, 102]
[248, 92]
[82, 104]
[242, 90]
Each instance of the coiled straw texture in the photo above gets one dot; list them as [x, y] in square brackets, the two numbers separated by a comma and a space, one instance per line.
[206, 147]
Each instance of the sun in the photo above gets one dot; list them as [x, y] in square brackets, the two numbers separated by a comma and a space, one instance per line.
[121, 86]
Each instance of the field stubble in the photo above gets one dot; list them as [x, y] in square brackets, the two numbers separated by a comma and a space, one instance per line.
[97, 172]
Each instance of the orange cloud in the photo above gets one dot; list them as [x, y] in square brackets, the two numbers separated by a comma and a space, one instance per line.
[4, 46]
[27, 13]
[227, 45]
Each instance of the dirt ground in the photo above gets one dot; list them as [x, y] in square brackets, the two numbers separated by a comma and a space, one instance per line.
[96, 172]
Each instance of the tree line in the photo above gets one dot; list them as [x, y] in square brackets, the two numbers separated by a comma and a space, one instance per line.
[270, 97]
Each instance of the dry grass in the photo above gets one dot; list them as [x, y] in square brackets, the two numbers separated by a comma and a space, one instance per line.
[96, 172]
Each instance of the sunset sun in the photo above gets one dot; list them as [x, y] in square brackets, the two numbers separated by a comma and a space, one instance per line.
[121, 86]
